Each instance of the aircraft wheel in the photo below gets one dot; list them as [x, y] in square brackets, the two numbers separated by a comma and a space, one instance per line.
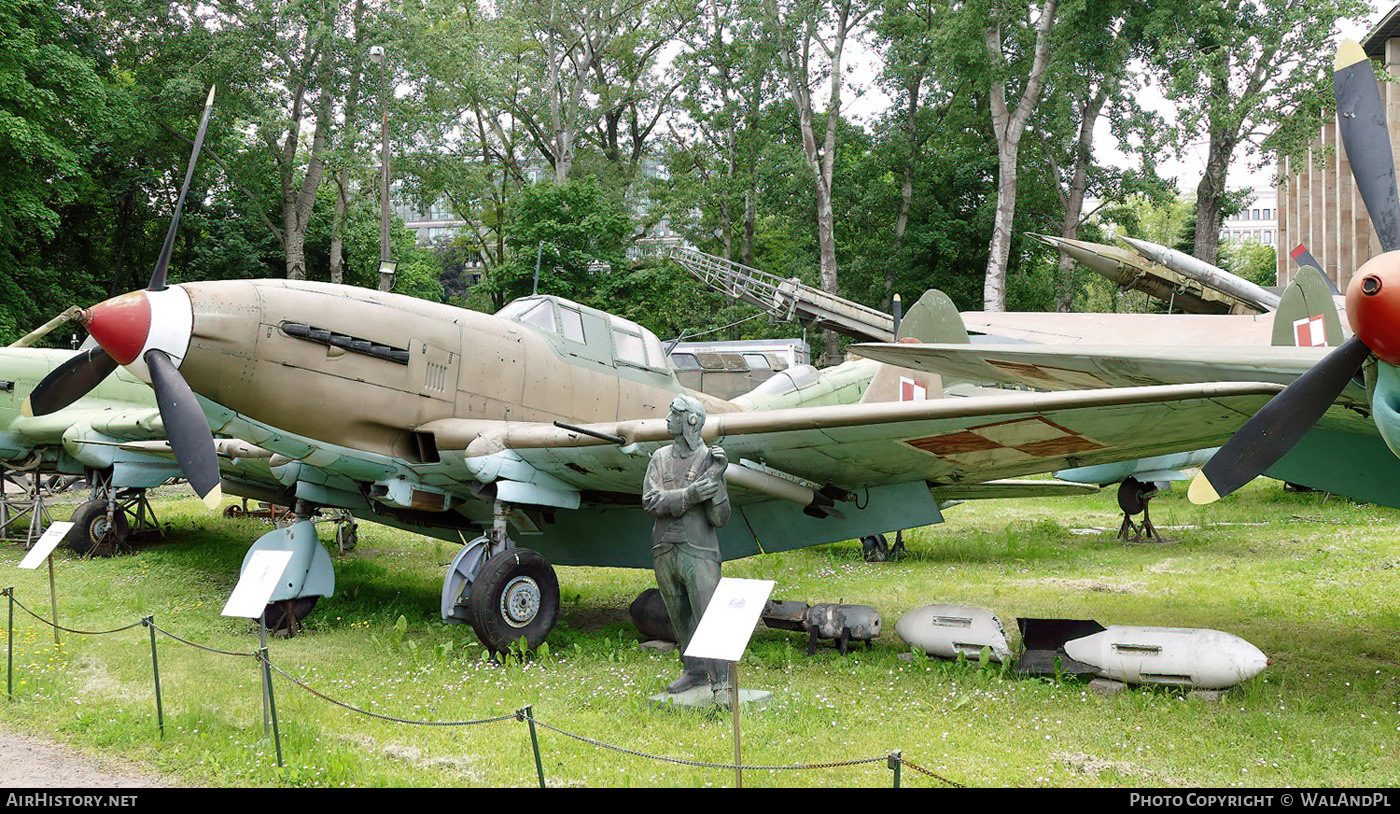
[92, 534]
[514, 595]
[1133, 495]
[285, 616]
[875, 548]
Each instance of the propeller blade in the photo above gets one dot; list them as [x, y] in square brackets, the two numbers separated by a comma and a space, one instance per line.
[186, 428]
[163, 262]
[1303, 257]
[1273, 431]
[69, 382]
[1361, 122]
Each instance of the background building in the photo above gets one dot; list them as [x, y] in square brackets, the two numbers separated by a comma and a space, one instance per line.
[1257, 222]
[1318, 205]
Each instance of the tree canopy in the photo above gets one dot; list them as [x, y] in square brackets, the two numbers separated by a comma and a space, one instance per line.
[566, 135]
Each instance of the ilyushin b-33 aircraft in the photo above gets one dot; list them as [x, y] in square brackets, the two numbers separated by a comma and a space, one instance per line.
[525, 434]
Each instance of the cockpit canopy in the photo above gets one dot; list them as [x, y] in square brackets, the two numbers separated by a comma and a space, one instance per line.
[589, 332]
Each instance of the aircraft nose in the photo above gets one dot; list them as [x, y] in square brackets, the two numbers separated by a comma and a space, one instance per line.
[1373, 305]
[121, 325]
[132, 324]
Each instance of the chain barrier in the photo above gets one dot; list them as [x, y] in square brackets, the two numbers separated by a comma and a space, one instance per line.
[63, 629]
[894, 761]
[921, 770]
[366, 712]
[195, 645]
[702, 764]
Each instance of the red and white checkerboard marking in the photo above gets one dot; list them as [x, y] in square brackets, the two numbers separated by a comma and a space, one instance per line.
[1310, 332]
[1006, 442]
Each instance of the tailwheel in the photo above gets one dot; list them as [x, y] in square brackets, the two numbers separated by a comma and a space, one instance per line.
[99, 529]
[285, 616]
[515, 595]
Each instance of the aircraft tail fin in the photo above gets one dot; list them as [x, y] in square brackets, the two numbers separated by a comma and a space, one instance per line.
[892, 383]
[933, 319]
[1307, 313]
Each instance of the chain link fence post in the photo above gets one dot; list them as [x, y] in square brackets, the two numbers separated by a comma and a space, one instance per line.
[271, 702]
[527, 714]
[150, 623]
[10, 647]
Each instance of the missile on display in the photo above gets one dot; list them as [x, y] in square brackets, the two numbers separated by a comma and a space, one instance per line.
[1129, 270]
[1210, 276]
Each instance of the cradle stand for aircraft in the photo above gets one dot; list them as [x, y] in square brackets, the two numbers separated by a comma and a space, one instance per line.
[27, 501]
[1133, 497]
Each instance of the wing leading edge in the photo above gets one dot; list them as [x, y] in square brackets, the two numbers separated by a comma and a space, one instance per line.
[851, 447]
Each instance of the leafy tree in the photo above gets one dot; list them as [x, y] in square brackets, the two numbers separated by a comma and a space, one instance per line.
[573, 230]
[52, 104]
[810, 41]
[1243, 73]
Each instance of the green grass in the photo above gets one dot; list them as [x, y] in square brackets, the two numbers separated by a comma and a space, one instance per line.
[1311, 582]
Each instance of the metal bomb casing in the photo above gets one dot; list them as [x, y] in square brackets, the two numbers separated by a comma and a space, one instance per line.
[952, 630]
[1186, 657]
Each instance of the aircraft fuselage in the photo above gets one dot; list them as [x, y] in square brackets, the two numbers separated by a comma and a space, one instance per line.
[358, 367]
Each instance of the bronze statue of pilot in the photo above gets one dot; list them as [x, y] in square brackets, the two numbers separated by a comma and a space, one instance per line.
[686, 493]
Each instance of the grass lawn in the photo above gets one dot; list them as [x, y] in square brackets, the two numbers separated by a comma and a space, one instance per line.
[1309, 580]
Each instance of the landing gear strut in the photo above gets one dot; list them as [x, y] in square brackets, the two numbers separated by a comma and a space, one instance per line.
[105, 524]
[1133, 496]
[505, 593]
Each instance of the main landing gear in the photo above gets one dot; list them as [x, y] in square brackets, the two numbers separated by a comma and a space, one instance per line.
[308, 576]
[1133, 496]
[113, 517]
[505, 593]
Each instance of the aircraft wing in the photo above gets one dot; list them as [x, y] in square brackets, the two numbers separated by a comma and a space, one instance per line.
[1050, 367]
[944, 441]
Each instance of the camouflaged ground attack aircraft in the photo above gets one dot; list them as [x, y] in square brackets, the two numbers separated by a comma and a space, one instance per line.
[525, 434]
[1336, 426]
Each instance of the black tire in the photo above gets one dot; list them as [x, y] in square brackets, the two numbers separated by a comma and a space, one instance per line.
[514, 595]
[285, 616]
[92, 535]
[1131, 496]
[874, 548]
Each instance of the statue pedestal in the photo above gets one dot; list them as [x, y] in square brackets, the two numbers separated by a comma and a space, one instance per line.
[701, 697]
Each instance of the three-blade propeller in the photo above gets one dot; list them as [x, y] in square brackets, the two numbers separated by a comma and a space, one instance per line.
[1274, 430]
[185, 425]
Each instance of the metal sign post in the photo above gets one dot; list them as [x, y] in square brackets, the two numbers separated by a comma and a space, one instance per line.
[723, 634]
[249, 601]
[43, 551]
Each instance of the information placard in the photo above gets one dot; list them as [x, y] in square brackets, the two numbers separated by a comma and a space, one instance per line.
[45, 545]
[256, 584]
[725, 629]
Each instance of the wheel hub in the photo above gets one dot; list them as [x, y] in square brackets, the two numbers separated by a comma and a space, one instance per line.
[520, 601]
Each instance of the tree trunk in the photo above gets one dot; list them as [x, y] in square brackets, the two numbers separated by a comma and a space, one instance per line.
[1210, 198]
[1008, 127]
[1089, 111]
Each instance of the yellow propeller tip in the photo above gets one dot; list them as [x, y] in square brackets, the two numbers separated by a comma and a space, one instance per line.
[1201, 491]
[1348, 54]
[214, 498]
